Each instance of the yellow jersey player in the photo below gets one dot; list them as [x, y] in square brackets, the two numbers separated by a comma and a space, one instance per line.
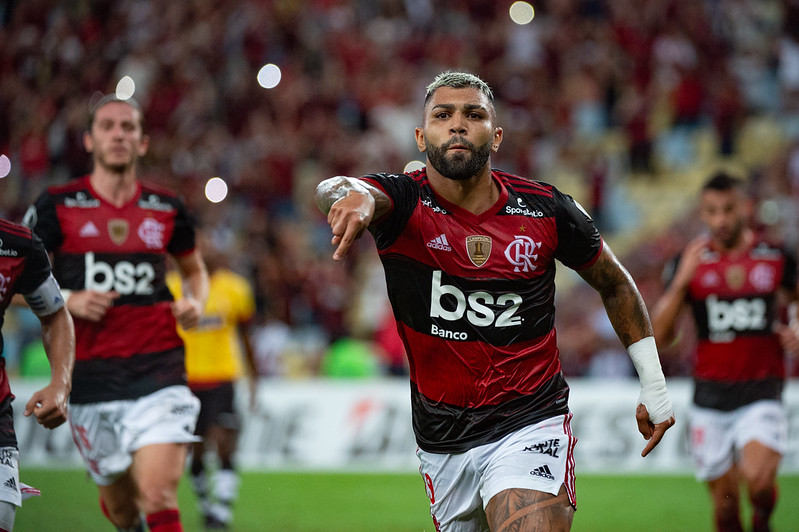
[215, 353]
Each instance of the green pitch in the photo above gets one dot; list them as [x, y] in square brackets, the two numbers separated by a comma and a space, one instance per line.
[332, 502]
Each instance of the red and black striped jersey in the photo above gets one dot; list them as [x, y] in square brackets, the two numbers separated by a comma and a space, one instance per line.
[734, 302]
[135, 349]
[24, 266]
[473, 296]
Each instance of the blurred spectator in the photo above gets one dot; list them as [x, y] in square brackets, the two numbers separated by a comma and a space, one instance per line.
[580, 81]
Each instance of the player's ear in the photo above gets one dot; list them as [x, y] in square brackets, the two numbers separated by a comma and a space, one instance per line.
[420, 142]
[88, 143]
[144, 145]
[497, 139]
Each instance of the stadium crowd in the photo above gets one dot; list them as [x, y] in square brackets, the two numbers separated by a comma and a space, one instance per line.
[598, 95]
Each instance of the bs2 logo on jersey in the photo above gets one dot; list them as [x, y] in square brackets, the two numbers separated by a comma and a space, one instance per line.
[475, 306]
[124, 277]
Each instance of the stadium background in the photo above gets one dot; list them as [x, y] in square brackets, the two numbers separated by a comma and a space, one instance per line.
[626, 105]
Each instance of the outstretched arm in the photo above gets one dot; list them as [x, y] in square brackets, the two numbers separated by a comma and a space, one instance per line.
[628, 315]
[350, 205]
[49, 404]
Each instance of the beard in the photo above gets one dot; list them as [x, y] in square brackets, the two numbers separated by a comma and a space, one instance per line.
[459, 166]
[116, 166]
[731, 237]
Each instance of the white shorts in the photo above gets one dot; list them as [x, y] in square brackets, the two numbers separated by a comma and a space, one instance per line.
[108, 433]
[717, 437]
[539, 457]
[10, 488]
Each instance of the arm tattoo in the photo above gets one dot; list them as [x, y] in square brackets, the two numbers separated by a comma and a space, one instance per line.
[623, 302]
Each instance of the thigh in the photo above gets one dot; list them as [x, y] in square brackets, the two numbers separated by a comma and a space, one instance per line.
[8, 513]
[523, 509]
[758, 465]
[160, 464]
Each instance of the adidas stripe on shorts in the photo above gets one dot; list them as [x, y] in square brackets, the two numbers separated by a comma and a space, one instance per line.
[538, 457]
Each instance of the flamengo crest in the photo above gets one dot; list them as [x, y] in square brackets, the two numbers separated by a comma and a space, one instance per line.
[522, 252]
[151, 231]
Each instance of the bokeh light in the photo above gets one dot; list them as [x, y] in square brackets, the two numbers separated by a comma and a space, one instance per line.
[521, 13]
[5, 166]
[125, 88]
[216, 189]
[413, 166]
[269, 76]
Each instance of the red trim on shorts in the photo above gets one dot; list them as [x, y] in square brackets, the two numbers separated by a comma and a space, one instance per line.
[569, 480]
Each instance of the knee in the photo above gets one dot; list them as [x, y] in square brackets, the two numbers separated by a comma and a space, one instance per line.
[762, 492]
[760, 484]
[726, 503]
[156, 497]
[121, 513]
[761, 489]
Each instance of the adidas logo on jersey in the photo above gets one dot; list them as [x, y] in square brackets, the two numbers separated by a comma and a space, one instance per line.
[440, 242]
[11, 484]
[543, 472]
[89, 229]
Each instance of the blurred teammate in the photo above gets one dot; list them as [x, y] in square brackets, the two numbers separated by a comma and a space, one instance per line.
[25, 269]
[213, 365]
[110, 234]
[469, 256]
[731, 279]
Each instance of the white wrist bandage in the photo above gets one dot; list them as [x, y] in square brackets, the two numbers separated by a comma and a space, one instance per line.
[654, 395]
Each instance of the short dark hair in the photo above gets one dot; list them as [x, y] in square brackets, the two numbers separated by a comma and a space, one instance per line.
[458, 80]
[108, 98]
[723, 182]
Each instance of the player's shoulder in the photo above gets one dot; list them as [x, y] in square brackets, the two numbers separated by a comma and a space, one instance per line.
[74, 188]
[16, 240]
[150, 187]
[157, 197]
[418, 176]
[766, 247]
[12, 231]
[523, 185]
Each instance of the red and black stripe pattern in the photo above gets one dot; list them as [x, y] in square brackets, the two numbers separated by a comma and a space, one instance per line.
[473, 296]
